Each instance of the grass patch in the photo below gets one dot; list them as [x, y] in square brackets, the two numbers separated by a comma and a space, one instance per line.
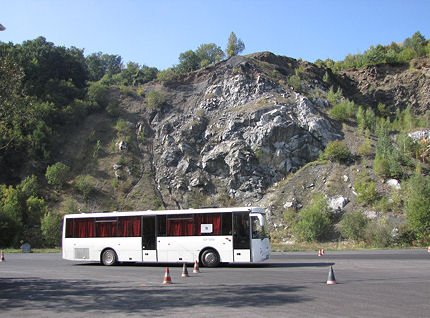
[33, 250]
[331, 246]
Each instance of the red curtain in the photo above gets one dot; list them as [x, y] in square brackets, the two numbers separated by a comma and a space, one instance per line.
[106, 227]
[129, 226]
[84, 228]
[180, 226]
[214, 219]
[69, 228]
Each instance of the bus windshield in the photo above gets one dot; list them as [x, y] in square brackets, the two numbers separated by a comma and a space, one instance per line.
[257, 227]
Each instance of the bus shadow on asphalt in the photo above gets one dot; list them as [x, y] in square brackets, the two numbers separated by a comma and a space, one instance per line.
[63, 297]
[265, 265]
[223, 265]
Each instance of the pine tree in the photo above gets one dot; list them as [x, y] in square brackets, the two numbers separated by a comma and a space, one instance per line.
[234, 45]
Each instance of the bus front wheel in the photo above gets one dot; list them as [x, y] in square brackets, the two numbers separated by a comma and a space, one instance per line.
[109, 257]
[210, 258]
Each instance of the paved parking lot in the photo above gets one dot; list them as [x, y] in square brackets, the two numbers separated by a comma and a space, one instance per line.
[369, 284]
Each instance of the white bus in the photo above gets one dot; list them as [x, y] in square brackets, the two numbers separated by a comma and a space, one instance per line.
[210, 236]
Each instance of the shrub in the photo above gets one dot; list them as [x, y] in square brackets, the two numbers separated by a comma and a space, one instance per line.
[336, 151]
[113, 108]
[98, 93]
[166, 75]
[381, 166]
[122, 128]
[352, 225]
[366, 190]
[365, 119]
[314, 221]
[69, 206]
[84, 184]
[377, 234]
[334, 98]
[127, 91]
[57, 174]
[405, 235]
[343, 110]
[155, 99]
[365, 149]
[295, 82]
[326, 77]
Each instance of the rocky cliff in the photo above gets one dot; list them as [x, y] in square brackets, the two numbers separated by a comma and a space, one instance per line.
[239, 133]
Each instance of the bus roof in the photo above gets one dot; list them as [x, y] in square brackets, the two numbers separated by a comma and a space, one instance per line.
[166, 212]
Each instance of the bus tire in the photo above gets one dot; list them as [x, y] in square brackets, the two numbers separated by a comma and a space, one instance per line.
[108, 257]
[210, 258]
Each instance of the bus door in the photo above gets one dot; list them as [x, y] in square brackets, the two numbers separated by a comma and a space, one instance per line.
[149, 250]
[260, 244]
[241, 238]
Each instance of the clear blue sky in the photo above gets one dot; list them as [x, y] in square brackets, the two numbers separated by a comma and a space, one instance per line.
[155, 32]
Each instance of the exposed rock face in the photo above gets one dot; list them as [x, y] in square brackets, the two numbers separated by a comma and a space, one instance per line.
[337, 203]
[395, 86]
[245, 133]
[420, 134]
[393, 183]
[122, 145]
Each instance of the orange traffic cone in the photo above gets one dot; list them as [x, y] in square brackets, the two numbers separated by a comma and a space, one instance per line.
[184, 271]
[428, 250]
[2, 257]
[196, 268]
[319, 252]
[167, 278]
[322, 251]
[331, 280]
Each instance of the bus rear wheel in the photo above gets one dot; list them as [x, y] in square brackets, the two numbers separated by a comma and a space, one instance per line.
[109, 257]
[210, 258]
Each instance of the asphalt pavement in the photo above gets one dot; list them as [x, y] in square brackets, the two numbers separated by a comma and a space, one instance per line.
[388, 283]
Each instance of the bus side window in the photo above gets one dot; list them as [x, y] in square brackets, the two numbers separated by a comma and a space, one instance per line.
[84, 227]
[162, 225]
[129, 226]
[69, 227]
[226, 224]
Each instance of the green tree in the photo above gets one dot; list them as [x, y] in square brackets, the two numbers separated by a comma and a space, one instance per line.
[209, 54]
[134, 75]
[417, 206]
[13, 115]
[11, 212]
[314, 221]
[418, 43]
[57, 174]
[20, 212]
[100, 64]
[188, 62]
[234, 45]
[51, 227]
